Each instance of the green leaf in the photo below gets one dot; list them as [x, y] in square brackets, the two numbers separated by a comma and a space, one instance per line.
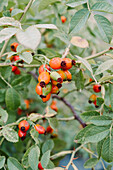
[104, 27]
[100, 101]
[79, 80]
[103, 7]
[33, 157]
[89, 114]
[50, 165]
[48, 145]
[8, 21]
[62, 36]
[74, 3]
[45, 3]
[34, 134]
[45, 159]
[90, 163]
[104, 66]
[85, 63]
[105, 78]
[21, 82]
[99, 147]
[12, 99]
[7, 33]
[107, 109]
[80, 136]
[2, 161]
[2, 4]
[78, 21]
[25, 157]
[96, 134]
[101, 120]
[107, 150]
[10, 134]
[16, 11]
[3, 116]
[111, 94]
[13, 164]
[30, 38]
[2, 95]
[53, 123]
[27, 57]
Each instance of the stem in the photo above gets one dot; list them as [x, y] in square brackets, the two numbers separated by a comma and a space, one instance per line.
[98, 54]
[18, 64]
[72, 156]
[60, 154]
[4, 47]
[5, 81]
[41, 55]
[72, 109]
[66, 51]
[66, 119]
[26, 9]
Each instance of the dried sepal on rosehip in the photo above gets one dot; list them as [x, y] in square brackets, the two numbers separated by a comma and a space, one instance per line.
[67, 63]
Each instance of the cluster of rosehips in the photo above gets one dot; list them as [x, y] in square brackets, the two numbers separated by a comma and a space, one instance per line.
[24, 127]
[52, 76]
[15, 69]
[93, 97]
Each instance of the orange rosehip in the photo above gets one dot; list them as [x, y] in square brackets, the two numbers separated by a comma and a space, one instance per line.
[41, 68]
[27, 102]
[55, 63]
[67, 63]
[53, 106]
[63, 19]
[49, 129]
[40, 129]
[55, 90]
[46, 98]
[38, 89]
[14, 68]
[68, 74]
[23, 125]
[62, 74]
[97, 88]
[22, 134]
[44, 78]
[55, 83]
[92, 98]
[14, 46]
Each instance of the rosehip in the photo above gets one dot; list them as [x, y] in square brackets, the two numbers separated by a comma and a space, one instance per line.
[14, 46]
[16, 58]
[22, 134]
[17, 72]
[14, 68]
[62, 74]
[67, 63]
[27, 102]
[19, 111]
[55, 83]
[40, 166]
[46, 98]
[95, 103]
[55, 89]
[44, 78]
[46, 90]
[55, 63]
[49, 129]
[40, 129]
[56, 76]
[92, 98]
[38, 89]
[23, 125]
[63, 19]
[97, 88]
[41, 68]
[68, 74]
[53, 106]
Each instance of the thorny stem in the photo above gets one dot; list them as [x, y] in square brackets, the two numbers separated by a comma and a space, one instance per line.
[72, 109]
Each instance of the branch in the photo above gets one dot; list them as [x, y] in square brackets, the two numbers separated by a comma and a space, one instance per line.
[98, 54]
[66, 52]
[18, 64]
[71, 108]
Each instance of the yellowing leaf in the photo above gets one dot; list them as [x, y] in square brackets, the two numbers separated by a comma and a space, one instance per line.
[79, 42]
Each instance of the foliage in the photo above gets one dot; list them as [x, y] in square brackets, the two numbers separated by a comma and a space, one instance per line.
[86, 37]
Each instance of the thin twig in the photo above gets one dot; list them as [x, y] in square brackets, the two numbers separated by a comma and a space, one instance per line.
[66, 51]
[72, 109]
[18, 64]
[5, 81]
